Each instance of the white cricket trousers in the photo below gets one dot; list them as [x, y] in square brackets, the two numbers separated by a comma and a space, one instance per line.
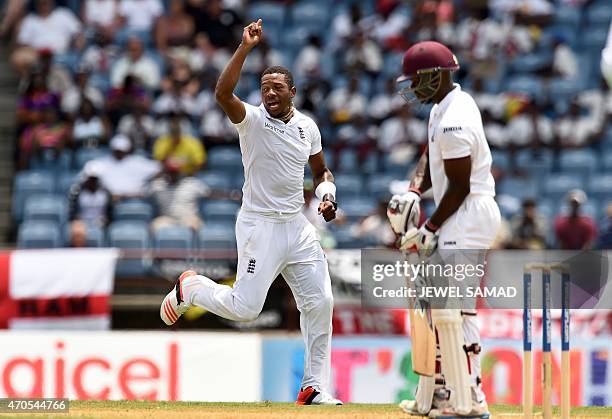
[267, 247]
[474, 225]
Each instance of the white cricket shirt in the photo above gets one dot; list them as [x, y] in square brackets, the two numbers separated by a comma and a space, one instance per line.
[455, 130]
[274, 155]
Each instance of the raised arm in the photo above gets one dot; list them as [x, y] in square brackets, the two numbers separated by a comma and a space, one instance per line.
[224, 91]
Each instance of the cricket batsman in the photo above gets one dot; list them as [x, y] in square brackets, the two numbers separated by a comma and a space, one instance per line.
[457, 167]
[272, 235]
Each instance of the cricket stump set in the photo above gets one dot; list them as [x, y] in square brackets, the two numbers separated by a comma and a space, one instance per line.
[546, 270]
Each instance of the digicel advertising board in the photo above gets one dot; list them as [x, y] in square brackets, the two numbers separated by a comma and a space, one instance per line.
[131, 365]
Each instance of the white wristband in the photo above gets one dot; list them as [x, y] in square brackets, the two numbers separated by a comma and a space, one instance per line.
[325, 188]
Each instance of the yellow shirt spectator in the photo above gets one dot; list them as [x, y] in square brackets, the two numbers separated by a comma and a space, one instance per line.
[187, 150]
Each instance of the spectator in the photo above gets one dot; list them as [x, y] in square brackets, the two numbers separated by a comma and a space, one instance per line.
[217, 129]
[575, 231]
[528, 228]
[606, 59]
[46, 139]
[574, 129]
[81, 89]
[90, 129]
[90, 205]
[136, 63]
[221, 25]
[101, 16]
[176, 197]
[308, 60]
[345, 102]
[180, 147]
[57, 76]
[363, 56]
[49, 27]
[13, 11]
[175, 30]
[530, 128]
[375, 228]
[344, 24]
[36, 97]
[122, 100]
[605, 237]
[357, 135]
[261, 58]
[99, 56]
[179, 98]
[125, 175]
[205, 57]
[383, 104]
[140, 15]
[401, 135]
[565, 62]
[388, 22]
[138, 126]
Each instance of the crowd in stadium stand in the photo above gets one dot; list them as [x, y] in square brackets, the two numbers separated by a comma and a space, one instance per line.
[116, 101]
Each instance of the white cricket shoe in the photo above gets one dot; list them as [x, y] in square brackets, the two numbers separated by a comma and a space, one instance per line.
[310, 395]
[177, 301]
[480, 410]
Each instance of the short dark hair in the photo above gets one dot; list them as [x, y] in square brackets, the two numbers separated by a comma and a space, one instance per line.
[281, 70]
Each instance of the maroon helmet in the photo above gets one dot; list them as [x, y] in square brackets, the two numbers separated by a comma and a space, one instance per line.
[421, 67]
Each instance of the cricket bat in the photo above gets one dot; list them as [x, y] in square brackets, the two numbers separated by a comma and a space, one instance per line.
[423, 342]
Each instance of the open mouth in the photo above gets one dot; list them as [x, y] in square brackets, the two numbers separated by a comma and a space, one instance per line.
[273, 105]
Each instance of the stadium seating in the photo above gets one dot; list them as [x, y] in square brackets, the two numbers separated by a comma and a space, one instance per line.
[521, 188]
[217, 236]
[39, 235]
[348, 185]
[219, 211]
[225, 158]
[174, 238]
[46, 208]
[600, 186]
[133, 210]
[216, 179]
[29, 183]
[583, 161]
[84, 155]
[131, 236]
[354, 209]
[556, 187]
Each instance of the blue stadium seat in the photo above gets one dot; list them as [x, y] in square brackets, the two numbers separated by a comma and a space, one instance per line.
[535, 162]
[65, 181]
[606, 162]
[567, 15]
[509, 205]
[130, 235]
[349, 162]
[218, 236]
[557, 186]
[297, 36]
[501, 159]
[49, 161]
[520, 188]
[95, 236]
[46, 208]
[357, 208]
[238, 180]
[547, 208]
[214, 211]
[271, 13]
[378, 185]
[567, 33]
[583, 161]
[133, 210]
[530, 85]
[216, 179]
[225, 158]
[345, 240]
[600, 186]
[29, 183]
[84, 155]
[399, 170]
[529, 63]
[39, 235]
[599, 15]
[174, 238]
[594, 39]
[348, 185]
[562, 90]
[305, 12]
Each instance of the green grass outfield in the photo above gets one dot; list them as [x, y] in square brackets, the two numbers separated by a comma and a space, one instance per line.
[183, 410]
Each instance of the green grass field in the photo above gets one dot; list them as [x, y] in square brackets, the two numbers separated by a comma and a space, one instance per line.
[131, 409]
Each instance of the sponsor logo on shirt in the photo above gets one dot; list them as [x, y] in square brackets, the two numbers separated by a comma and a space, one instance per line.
[450, 243]
[273, 128]
[451, 129]
[251, 267]
[302, 135]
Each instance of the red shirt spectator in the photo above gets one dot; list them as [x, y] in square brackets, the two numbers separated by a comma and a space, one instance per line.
[575, 231]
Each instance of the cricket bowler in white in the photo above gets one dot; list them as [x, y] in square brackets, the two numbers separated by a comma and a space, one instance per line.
[273, 237]
[457, 167]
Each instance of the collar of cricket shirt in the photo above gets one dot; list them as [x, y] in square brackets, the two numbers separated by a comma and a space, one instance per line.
[441, 107]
